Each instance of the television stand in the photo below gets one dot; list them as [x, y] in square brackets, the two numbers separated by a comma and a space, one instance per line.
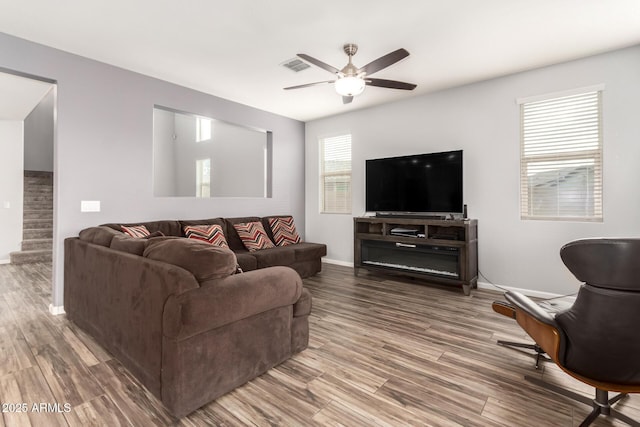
[437, 250]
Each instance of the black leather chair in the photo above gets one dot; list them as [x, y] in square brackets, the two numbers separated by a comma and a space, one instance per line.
[597, 339]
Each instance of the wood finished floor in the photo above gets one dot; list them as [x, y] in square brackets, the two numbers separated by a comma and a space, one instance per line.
[382, 352]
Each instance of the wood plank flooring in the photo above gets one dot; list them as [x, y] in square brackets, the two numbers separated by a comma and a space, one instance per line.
[383, 352]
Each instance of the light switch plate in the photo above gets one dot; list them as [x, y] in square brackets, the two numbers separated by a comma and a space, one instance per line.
[6, 204]
[90, 206]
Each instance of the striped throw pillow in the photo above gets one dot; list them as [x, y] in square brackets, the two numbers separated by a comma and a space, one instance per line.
[137, 231]
[284, 231]
[253, 236]
[212, 234]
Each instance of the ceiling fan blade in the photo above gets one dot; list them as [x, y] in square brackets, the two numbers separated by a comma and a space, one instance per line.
[309, 84]
[347, 99]
[319, 63]
[391, 84]
[384, 61]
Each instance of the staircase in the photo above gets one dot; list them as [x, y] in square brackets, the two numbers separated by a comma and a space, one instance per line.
[37, 228]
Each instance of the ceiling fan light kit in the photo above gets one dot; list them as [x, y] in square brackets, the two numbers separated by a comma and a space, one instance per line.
[352, 80]
[350, 86]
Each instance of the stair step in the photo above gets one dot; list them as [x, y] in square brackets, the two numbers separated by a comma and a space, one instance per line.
[37, 214]
[38, 174]
[44, 191]
[40, 205]
[38, 198]
[37, 227]
[34, 244]
[28, 257]
[39, 233]
[32, 224]
[38, 183]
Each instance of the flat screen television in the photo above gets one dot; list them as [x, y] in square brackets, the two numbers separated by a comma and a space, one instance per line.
[429, 184]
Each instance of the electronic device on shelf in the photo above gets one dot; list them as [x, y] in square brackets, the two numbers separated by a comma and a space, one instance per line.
[405, 232]
[423, 185]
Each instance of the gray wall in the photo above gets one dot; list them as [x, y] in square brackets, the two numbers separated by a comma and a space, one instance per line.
[11, 187]
[104, 139]
[38, 136]
[483, 120]
[164, 156]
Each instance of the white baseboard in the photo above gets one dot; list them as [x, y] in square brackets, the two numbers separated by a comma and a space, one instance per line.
[5, 261]
[337, 262]
[56, 310]
[527, 292]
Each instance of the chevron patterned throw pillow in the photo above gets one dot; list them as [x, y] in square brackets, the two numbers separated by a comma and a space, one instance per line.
[284, 231]
[253, 236]
[212, 234]
[138, 231]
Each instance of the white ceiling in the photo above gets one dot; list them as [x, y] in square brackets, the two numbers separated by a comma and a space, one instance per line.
[19, 96]
[234, 49]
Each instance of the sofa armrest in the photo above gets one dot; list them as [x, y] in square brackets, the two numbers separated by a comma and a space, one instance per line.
[302, 307]
[222, 301]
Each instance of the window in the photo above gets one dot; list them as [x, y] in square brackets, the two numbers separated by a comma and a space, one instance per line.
[561, 158]
[203, 178]
[335, 174]
[203, 129]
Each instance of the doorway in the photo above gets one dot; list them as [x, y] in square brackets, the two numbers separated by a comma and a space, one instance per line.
[27, 134]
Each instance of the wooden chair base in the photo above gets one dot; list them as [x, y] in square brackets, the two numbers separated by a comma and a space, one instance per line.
[539, 352]
[601, 405]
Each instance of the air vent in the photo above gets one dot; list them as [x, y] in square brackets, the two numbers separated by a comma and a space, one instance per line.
[295, 65]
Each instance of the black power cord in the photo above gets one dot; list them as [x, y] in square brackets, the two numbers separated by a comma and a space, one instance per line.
[506, 290]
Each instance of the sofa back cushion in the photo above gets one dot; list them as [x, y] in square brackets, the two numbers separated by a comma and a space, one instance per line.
[125, 243]
[99, 235]
[136, 246]
[168, 227]
[201, 259]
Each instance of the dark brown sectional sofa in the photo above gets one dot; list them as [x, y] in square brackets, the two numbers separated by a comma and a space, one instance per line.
[179, 316]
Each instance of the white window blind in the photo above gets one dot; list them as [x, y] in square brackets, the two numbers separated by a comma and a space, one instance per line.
[561, 158]
[335, 174]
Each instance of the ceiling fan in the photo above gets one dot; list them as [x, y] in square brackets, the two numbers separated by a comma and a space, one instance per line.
[351, 80]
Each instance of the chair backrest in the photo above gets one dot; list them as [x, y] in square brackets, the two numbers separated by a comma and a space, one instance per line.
[605, 263]
[602, 328]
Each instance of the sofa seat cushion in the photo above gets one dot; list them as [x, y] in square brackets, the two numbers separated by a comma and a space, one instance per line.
[284, 255]
[306, 251]
[201, 259]
[246, 261]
